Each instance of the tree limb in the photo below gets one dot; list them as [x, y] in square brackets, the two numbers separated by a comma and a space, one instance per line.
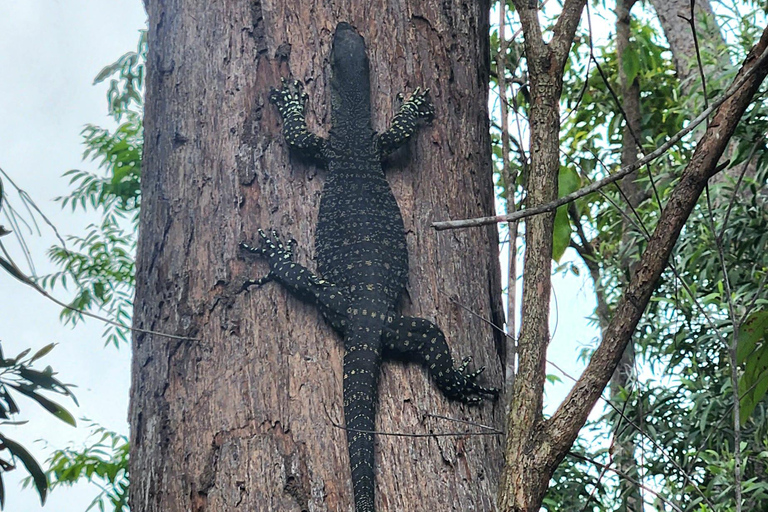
[743, 78]
[562, 428]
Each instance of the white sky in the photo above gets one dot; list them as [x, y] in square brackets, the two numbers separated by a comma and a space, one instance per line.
[50, 51]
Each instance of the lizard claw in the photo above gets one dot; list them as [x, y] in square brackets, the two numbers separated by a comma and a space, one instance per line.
[469, 388]
[273, 248]
[419, 105]
[290, 97]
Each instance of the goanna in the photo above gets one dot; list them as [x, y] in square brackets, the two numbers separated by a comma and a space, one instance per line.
[361, 250]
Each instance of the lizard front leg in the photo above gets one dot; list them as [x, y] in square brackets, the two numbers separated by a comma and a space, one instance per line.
[417, 339]
[416, 110]
[291, 101]
[299, 280]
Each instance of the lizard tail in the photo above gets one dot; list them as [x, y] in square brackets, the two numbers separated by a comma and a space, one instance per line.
[361, 380]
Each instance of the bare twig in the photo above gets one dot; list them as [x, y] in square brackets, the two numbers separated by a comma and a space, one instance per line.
[509, 178]
[491, 431]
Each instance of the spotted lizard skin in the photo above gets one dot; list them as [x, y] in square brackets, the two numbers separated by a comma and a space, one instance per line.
[361, 250]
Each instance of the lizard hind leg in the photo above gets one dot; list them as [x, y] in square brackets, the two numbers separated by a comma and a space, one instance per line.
[417, 339]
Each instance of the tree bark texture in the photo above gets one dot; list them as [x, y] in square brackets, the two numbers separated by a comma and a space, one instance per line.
[242, 416]
[525, 479]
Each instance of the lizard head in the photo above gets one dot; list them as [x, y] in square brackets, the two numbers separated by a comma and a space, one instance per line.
[350, 77]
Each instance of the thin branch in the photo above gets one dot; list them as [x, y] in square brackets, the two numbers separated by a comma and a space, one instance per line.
[743, 172]
[509, 178]
[490, 432]
[565, 30]
[466, 422]
[12, 269]
[692, 22]
[28, 200]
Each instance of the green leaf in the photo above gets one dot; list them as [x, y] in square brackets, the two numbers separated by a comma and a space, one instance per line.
[567, 181]
[42, 379]
[753, 349]
[561, 235]
[42, 352]
[631, 64]
[47, 404]
[41, 482]
[751, 331]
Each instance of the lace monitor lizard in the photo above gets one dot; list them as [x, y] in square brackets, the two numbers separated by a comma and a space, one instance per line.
[361, 250]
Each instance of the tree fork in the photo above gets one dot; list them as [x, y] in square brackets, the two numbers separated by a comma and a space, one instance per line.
[534, 446]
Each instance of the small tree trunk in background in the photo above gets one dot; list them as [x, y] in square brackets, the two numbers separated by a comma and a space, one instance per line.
[241, 417]
[673, 17]
[623, 448]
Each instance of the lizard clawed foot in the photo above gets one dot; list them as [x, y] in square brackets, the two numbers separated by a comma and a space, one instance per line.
[273, 248]
[468, 388]
[419, 105]
[289, 98]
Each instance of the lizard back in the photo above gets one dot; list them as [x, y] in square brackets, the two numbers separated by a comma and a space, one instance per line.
[360, 239]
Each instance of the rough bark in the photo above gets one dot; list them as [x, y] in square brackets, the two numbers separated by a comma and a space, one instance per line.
[241, 417]
[524, 480]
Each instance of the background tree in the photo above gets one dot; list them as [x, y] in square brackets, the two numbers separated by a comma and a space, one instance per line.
[214, 171]
[601, 112]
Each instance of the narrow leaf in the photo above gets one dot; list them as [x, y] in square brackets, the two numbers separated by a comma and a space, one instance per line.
[48, 405]
[42, 352]
[41, 482]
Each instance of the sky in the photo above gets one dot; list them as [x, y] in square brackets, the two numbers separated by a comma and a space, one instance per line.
[51, 51]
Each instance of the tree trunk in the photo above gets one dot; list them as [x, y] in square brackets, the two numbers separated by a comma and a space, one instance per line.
[674, 16]
[623, 446]
[242, 415]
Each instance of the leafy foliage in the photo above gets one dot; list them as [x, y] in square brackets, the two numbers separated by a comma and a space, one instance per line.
[101, 263]
[753, 354]
[104, 462]
[19, 378]
[681, 399]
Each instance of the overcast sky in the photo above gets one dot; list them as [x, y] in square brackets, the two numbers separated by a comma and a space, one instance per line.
[50, 51]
